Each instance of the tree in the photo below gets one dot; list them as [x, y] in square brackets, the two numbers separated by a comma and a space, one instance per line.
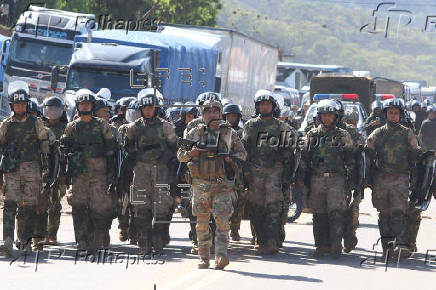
[192, 12]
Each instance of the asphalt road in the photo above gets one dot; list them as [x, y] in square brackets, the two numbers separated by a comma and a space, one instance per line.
[293, 268]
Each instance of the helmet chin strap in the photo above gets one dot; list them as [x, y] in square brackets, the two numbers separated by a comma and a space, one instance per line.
[84, 113]
[266, 115]
[20, 115]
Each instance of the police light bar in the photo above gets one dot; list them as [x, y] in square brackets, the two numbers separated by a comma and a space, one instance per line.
[384, 96]
[344, 97]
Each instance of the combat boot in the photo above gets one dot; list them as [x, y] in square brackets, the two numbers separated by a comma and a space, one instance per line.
[145, 249]
[336, 225]
[350, 243]
[51, 241]
[204, 253]
[234, 234]
[7, 248]
[38, 244]
[124, 234]
[384, 225]
[321, 235]
[194, 249]
[221, 262]
[398, 231]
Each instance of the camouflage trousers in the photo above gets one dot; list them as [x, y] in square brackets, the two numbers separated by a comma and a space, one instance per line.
[327, 193]
[390, 197]
[92, 207]
[151, 200]
[212, 198]
[265, 202]
[21, 189]
[351, 223]
[238, 213]
[49, 213]
[413, 221]
[328, 203]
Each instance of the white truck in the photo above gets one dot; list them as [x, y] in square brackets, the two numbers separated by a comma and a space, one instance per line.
[244, 66]
[42, 39]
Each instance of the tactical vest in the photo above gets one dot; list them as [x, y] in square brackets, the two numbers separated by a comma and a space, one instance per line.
[264, 141]
[58, 128]
[88, 138]
[393, 151]
[24, 138]
[327, 151]
[209, 165]
[150, 140]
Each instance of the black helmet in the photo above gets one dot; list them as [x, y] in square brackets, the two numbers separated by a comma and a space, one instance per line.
[232, 108]
[85, 95]
[377, 104]
[149, 97]
[101, 103]
[53, 102]
[18, 96]
[208, 96]
[328, 107]
[34, 107]
[393, 103]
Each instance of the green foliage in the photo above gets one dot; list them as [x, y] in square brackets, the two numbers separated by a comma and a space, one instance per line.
[321, 33]
[192, 12]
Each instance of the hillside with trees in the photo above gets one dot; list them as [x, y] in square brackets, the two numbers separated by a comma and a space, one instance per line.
[319, 32]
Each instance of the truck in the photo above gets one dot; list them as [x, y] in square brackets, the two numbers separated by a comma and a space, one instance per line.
[179, 68]
[42, 38]
[245, 65]
[364, 87]
[389, 86]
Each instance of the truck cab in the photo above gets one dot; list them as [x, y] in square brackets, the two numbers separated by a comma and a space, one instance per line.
[43, 38]
[109, 65]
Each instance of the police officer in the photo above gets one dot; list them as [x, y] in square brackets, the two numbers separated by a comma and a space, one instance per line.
[392, 148]
[25, 148]
[102, 109]
[428, 129]
[126, 222]
[150, 144]
[187, 115]
[200, 100]
[419, 114]
[269, 143]
[326, 160]
[54, 112]
[232, 114]
[120, 112]
[90, 147]
[350, 120]
[212, 182]
[375, 119]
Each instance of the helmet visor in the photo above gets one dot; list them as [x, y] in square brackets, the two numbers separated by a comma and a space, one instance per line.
[52, 112]
[132, 115]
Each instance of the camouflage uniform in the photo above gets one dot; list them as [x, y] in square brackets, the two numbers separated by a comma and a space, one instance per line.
[352, 213]
[393, 148]
[23, 142]
[152, 144]
[118, 120]
[239, 200]
[266, 174]
[191, 125]
[326, 160]
[91, 147]
[126, 222]
[211, 189]
[49, 207]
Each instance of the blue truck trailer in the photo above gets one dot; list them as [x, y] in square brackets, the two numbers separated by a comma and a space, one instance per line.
[184, 68]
